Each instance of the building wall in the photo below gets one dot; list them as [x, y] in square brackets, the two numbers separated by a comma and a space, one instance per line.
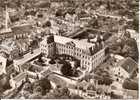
[89, 62]
[11, 34]
[120, 73]
[86, 60]
[3, 62]
[48, 49]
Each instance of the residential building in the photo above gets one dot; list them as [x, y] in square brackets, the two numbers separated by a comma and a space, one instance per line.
[17, 31]
[26, 58]
[89, 54]
[3, 62]
[131, 94]
[124, 69]
[70, 17]
[21, 31]
[15, 82]
[10, 48]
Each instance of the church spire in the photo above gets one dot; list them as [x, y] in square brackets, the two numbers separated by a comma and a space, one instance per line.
[7, 19]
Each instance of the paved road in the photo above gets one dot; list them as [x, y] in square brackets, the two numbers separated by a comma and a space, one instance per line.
[112, 16]
[27, 57]
[83, 30]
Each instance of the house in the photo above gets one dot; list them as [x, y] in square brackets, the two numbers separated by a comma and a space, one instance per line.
[131, 94]
[70, 17]
[117, 57]
[3, 63]
[21, 30]
[131, 84]
[15, 82]
[18, 80]
[124, 69]
[10, 48]
[131, 88]
[18, 63]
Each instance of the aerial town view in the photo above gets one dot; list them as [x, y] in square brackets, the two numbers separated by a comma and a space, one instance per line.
[69, 49]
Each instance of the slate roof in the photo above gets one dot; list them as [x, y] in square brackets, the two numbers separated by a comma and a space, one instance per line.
[20, 77]
[128, 65]
[79, 44]
[21, 29]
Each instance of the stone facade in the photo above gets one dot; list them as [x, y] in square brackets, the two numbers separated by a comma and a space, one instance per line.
[85, 52]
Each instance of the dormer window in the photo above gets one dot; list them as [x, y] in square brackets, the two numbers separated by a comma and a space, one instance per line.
[71, 43]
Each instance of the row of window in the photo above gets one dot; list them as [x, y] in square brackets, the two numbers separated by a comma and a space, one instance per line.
[44, 50]
[69, 47]
[71, 52]
[78, 52]
[86, 63]
[49, 46]
[98, 54]
[50, 52]
[42, 45]
[15, 35]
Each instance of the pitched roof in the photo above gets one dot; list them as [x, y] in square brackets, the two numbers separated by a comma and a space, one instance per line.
[128, 65]
[27, 57]
[20, 77]
[130, 84]
[79, 44]
[21, 29]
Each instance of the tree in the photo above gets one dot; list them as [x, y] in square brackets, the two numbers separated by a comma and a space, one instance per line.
[25, 94]
[127, 35]
[136, 23]
[52, 61]
[14, 18]
[47, 24]
[126, 50]
[100, 91]
[18, 3]
[44, 84]
[40, 15]
[108, 81]
[37, 89]
[108, 5]
[131, 42]
[91, 87]
[66, 69]
[49, 96]
[27, 87]
[95, 24]
[5, 82]
[40, 59]
[59, 13]
[64, 91]
[58, 93]
[130, 85]
[130, 49]
[114, 96]
[35, 96]
[76, 63]
[43, 4]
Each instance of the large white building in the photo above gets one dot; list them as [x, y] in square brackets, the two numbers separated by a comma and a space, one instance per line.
[89, 54]
[125, 69]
